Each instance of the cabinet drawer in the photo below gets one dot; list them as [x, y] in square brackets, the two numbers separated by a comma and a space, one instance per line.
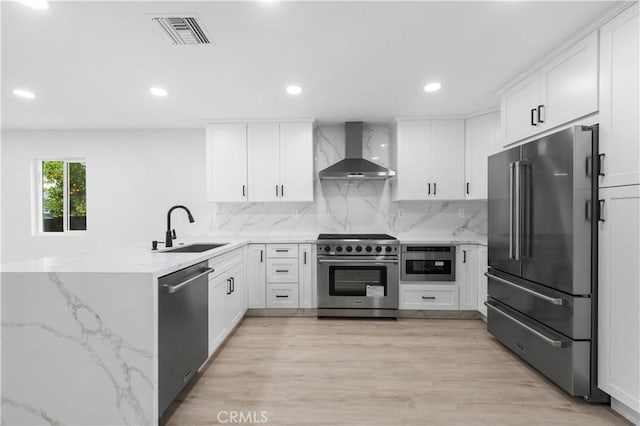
[282, 270]
[282, 295]
[282, 250]
[225, 262]
[564, 361]
[437, 297]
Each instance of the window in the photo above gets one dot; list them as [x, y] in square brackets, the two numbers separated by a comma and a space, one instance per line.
[62, 196]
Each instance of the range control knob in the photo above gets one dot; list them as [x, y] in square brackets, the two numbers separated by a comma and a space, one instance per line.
[378, 249]
[358, 249]
[349, 249]
[368, 248]
[388, 249]
[327, 248]
[339, 249]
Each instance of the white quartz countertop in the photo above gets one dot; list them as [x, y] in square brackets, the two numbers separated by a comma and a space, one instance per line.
[439, 241]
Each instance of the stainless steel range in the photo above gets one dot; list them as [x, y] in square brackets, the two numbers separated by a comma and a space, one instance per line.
[358, 275]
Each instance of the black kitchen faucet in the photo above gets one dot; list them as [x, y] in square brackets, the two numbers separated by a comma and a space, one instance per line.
[171, 233]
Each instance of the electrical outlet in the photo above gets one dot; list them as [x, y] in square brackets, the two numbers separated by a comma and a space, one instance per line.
[460, 212]
[400, 212]
[294, 214]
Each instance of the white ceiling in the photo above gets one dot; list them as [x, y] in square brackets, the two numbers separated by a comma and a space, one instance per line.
[91, 63]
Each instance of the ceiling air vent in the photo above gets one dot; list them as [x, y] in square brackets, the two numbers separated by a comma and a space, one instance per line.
[183, 30]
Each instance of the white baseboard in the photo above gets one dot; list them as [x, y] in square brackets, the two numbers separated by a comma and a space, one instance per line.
[626, 412]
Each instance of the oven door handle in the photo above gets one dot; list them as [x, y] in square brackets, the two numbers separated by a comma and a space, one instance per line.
[368, 262]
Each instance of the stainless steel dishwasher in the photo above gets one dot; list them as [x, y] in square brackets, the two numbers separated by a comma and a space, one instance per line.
[183, 329]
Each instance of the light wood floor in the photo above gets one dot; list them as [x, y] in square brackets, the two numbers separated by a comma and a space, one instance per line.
[374, 372]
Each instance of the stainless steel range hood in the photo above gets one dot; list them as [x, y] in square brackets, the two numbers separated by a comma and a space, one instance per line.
[354, 166]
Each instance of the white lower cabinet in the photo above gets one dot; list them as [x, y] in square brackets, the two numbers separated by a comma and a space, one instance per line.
[429, 296]
[306, 271]
[282, 295]
[467, 276]
[256, 269]
[226, 288]
[619, 294]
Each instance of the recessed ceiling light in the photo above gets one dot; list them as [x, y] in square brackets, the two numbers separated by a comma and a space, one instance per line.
[432, 87]
[294, 90]
[158, 91]
[21, 93]
[36, 4]
[383, 145]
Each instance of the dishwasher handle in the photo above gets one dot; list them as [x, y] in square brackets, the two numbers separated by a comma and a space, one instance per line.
[173, 288]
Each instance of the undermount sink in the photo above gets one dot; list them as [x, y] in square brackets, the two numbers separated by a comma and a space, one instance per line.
[194, 248]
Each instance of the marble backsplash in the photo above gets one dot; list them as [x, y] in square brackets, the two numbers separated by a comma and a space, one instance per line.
[353, 206]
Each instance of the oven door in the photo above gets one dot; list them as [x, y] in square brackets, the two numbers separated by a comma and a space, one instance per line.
[427, 267]
[353, 282]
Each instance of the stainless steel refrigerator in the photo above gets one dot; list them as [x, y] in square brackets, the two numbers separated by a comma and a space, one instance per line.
[542, 281]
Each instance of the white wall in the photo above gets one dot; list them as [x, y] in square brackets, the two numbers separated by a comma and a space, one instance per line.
[133, 177]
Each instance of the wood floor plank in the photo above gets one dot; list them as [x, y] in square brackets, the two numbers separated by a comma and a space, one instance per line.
[304, 371]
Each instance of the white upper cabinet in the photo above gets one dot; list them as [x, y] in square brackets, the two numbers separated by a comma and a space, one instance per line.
[280, 161]
[619, 112]
[413, 145]
[430, 160]
[296, 161]
[481, 140]
[569, 84]
[519, 108]
[260, 162]
[227, 162]
[447, 160]
[263, 142]
[563, 90]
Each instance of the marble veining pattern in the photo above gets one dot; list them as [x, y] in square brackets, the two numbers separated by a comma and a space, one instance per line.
[84, 334]
[353, 206]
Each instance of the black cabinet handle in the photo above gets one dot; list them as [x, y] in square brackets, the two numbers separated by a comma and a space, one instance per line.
[540, 113]
[434, 188]
[429, 188]
[244, 190]
[533, 121]
[282, 270]
[282, 250]
[467, 188]
[601, 164]
[228, 285]
[464, 256]
[233, 284]
[305, 257]
[276, 190]
[600, 209]
[261, 256]
[282, 296]
[282, 190]
[428, 298]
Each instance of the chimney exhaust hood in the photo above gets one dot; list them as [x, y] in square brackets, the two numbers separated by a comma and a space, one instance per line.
[354, 166]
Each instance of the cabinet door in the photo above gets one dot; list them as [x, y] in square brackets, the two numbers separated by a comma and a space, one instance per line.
[447, 160]
[296, 161]
[482, 279]
[413, 157]
[234, 300]
[227, 162]
[618, 294]
[481, 136]
[256, 276]
[218, 326]
[619, 92]
[305, 271]
[263, 142]
[518, 119]
[467, 277]
[569, 84]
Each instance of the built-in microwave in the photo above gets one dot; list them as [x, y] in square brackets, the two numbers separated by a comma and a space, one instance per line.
[428, 262]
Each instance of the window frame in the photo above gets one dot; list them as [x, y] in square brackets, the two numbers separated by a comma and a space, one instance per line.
[38, 211]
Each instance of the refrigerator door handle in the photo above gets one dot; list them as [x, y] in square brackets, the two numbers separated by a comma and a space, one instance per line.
[511, 168]
[516, 237]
